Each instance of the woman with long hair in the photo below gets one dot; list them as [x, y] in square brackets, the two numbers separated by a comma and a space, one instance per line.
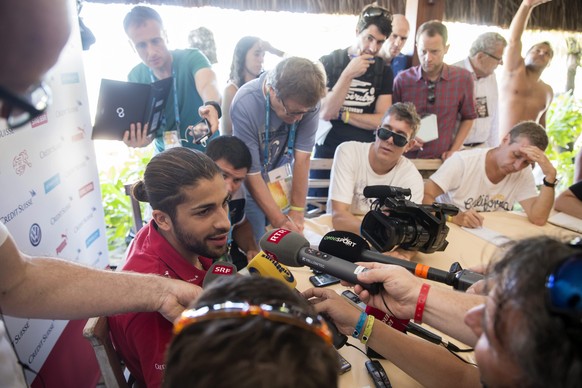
[247, 64]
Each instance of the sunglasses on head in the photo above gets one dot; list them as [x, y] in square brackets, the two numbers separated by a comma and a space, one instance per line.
[386, 133]
[373, 12]
[281, 313]
[564, 290]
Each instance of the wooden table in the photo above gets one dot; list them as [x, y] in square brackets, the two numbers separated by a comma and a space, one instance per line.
[466, 248]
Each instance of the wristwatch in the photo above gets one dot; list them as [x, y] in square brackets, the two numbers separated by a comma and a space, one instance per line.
[548, 184]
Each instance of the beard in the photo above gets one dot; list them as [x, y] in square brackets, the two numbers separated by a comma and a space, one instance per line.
[197, 245]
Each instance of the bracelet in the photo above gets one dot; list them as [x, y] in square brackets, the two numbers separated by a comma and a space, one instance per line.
[360, 325]
[449, 218]
[340, 114]
[216, 106]
[368, 329]
[297, 208]
[347, 118]
[420, 303]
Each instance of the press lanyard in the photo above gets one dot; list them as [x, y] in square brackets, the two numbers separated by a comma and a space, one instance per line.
[176, 110]
[292, 130]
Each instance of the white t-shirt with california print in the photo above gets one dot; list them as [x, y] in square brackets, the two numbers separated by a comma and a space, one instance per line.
[10, 372]
[351, 172]
[465, 184]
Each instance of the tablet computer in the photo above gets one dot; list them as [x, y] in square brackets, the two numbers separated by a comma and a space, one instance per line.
[122, 103]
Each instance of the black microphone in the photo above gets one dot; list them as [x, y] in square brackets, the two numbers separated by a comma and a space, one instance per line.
[292, 249]
[218, 270]
[353, 248]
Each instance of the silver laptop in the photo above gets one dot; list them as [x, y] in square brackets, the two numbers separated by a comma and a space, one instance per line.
[122, 103]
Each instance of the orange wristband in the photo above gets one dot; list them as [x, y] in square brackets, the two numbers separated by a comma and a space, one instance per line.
[420, 303]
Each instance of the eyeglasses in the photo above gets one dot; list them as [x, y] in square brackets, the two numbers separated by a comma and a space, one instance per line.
[295, 113]
[564, 289]
[19, 110]
[431, 98]
[385, 134]
[373, 12]
[281, 313]
[493, 56]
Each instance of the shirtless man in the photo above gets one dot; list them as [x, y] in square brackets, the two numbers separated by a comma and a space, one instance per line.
[522, 95]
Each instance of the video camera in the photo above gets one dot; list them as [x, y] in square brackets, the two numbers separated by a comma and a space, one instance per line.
[394, 220]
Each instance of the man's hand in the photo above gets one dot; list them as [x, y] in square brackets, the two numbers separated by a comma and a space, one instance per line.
[136, 136]
[469, 219]
[209, 113]
[176, 297]
[400, 291]
[538, 156]
[359, 65]
[298, 218]
[342, 313]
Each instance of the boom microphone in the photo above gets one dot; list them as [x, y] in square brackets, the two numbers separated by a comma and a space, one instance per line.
[354, 248]
[381, 191]
[218, 270]
[292, 249]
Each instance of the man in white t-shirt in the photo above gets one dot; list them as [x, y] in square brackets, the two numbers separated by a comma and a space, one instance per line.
[357, 165]
[493, 179]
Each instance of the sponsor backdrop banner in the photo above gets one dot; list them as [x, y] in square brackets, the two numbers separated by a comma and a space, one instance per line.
[51, 203]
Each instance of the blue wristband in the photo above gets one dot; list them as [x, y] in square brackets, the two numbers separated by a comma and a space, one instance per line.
[360, 325]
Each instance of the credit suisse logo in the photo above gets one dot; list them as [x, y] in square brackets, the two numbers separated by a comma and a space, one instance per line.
[18, 209]
[21, 162]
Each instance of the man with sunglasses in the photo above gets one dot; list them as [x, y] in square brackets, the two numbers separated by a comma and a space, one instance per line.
[44, 287]
[493, 179]
[359, 86]
[276, 116]
[522, 94]
[357, 165]
[437, 88]
[484, 56]
[526, 332]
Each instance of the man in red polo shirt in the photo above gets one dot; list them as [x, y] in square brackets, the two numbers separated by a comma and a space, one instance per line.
[189, 228]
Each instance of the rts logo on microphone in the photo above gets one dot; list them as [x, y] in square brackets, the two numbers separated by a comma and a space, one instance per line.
[278, 235]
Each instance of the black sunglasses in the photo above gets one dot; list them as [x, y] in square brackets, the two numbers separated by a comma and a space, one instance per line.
[385, 134]
[431, 98]
[564, 289]
[19, 110]
[373, 12]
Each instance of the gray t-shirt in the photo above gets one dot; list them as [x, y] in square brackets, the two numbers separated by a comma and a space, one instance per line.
[248, 124]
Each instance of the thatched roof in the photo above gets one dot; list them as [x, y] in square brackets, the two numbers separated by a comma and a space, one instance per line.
[562, 15]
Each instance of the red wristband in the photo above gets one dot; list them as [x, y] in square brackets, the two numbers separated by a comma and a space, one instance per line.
[420, 303]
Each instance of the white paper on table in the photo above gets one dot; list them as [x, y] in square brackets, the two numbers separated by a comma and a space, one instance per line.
[566, 221]
[429, 129]
[489, 235]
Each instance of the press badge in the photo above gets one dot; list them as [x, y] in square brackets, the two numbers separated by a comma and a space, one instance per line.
[280, 173]
[279, 186]
[171, 139]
